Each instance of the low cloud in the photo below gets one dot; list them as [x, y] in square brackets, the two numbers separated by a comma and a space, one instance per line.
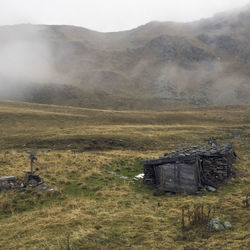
[26, 60]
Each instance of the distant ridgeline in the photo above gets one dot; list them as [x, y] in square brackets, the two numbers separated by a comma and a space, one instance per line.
[155, 66]
[191, 170]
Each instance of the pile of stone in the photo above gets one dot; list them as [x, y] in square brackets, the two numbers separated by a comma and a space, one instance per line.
[9, 183]
[31, 181]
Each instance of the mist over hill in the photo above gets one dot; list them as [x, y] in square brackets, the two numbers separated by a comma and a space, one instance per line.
[154, 66]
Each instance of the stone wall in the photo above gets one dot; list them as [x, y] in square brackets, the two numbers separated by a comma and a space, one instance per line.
[215, 163]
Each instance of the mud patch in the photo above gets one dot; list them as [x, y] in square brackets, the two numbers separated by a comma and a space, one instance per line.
[86, 144]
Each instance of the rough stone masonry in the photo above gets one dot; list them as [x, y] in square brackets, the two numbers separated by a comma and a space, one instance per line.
[192, 169]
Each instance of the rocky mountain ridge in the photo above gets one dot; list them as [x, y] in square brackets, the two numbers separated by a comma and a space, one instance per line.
[154, 66]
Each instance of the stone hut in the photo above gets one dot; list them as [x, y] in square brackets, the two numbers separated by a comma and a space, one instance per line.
[190, 170]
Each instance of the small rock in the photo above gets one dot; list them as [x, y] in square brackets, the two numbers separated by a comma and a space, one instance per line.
[32, 183]
[227, 225]
[210, 189]
[52, 192]
[4, 186]
[42, 187]
[215, 224]
[45, 150]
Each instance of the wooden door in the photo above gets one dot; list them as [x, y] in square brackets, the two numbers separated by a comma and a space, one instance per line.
[178, 177]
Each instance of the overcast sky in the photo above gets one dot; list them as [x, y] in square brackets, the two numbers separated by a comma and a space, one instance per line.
[110, 15]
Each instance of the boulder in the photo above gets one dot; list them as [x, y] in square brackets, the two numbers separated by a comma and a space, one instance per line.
[215, 224]
[227, 225]
[8, 178]
[211, 189]
[33, 183]
[52, 192]
[43, 187]
[4, 186]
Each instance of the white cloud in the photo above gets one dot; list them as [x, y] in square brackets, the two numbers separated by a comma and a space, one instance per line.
[110, 15]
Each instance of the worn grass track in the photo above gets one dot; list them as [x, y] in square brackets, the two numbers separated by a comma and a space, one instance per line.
[98, 210]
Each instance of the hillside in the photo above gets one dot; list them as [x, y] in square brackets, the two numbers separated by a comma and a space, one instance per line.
[157, 65]
[97, 209]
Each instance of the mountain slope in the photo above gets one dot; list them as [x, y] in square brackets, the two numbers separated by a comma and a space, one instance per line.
[153, 66]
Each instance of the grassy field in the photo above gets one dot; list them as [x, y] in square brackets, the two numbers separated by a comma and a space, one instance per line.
[96, 209]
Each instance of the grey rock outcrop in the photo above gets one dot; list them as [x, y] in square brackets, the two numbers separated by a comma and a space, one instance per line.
[164, 47]
[240, 49]
[169, 48]
[215, 224]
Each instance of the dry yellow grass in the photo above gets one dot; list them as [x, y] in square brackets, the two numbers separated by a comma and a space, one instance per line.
[98, 210]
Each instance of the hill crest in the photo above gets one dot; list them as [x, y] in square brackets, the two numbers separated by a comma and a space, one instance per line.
[158, 64]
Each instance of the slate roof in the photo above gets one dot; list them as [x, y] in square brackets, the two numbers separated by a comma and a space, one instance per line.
[191, 154]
